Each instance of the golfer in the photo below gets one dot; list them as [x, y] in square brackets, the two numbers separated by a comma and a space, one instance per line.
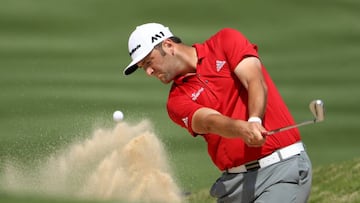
[222, 92]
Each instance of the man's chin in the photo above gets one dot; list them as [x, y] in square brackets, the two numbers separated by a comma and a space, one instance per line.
[165, 80]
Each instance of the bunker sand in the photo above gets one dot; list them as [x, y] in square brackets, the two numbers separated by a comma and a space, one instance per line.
[127, 162]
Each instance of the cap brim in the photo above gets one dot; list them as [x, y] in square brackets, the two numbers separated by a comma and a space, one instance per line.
[130, 69]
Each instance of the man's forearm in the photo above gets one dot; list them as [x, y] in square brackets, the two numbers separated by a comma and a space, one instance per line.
[257, 98]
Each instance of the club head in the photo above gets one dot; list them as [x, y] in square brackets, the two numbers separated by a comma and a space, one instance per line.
[317, 109]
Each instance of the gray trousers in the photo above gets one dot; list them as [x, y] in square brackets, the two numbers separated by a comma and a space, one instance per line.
[286, 181]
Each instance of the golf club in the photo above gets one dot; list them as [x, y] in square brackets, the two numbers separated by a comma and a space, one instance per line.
[316, 108]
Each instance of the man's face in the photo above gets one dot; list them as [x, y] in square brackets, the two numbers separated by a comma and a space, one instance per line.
[159, 63]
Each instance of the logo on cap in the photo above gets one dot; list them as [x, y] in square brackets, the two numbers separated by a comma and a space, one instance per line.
[157, 36]
[134, 49]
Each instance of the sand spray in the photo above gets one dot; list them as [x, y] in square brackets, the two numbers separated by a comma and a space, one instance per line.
[127, 163]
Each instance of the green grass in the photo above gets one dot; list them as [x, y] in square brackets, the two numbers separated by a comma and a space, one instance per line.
[61, 73]
[338, 182]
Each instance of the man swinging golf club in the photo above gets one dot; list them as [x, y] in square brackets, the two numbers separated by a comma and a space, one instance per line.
[222, 92]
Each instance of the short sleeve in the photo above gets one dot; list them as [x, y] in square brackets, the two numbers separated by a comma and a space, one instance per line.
[236, 46]
[181, 109]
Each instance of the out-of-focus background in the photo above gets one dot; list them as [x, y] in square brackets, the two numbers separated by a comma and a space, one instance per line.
[61, 77]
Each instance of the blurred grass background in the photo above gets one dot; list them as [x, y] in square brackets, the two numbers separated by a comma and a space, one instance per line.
[61, 76]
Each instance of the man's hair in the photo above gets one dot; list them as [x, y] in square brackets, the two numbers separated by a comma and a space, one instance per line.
[177, 40]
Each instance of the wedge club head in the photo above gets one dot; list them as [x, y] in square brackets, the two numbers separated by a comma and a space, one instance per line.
[317, 109]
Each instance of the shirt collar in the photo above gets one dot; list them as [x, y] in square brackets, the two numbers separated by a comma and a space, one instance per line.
[181, 79]
[200, 51]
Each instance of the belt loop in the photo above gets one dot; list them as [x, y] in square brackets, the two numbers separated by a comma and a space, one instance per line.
[279, 154]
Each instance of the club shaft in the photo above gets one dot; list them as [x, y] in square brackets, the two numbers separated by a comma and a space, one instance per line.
[289, 127]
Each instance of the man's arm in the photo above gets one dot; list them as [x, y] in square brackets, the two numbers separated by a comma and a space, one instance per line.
[206, 120]
[249, 73]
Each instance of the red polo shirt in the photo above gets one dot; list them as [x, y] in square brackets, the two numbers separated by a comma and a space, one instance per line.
[216, 86]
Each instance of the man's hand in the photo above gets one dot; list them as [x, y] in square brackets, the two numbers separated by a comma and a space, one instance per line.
[252, 136]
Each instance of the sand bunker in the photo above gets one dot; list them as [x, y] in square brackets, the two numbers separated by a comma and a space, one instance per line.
[125, 163]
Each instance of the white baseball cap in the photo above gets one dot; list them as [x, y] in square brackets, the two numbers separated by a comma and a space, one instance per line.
[143, 40]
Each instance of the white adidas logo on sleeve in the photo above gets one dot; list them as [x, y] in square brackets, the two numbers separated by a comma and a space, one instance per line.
[219, 65]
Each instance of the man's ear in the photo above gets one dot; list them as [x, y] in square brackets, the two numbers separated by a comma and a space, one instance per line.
[168, 45]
